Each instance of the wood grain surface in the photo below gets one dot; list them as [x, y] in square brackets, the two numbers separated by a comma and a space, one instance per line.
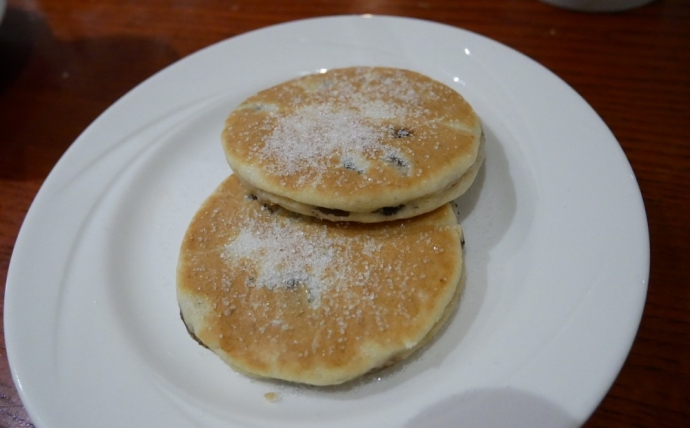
[63, 62]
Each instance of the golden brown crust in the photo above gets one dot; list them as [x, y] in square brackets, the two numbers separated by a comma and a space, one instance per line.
[356, 139]
[284, 296]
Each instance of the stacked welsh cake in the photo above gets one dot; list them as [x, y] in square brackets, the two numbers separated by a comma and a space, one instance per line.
[332, 249]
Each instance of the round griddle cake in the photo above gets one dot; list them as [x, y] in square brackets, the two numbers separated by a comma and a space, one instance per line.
[365, 144]
[281, 295]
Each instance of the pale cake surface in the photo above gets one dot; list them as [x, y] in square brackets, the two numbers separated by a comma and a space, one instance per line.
[409, 209]
[280, 295]
[359, 140]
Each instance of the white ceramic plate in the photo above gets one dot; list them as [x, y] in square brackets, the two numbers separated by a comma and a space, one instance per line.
[557, 250]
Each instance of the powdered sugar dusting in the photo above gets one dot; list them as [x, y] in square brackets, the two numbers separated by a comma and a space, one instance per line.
[288, 257]
[314, 134]
[340, 119]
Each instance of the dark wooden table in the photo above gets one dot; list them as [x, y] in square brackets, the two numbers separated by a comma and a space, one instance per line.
[62, 62]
